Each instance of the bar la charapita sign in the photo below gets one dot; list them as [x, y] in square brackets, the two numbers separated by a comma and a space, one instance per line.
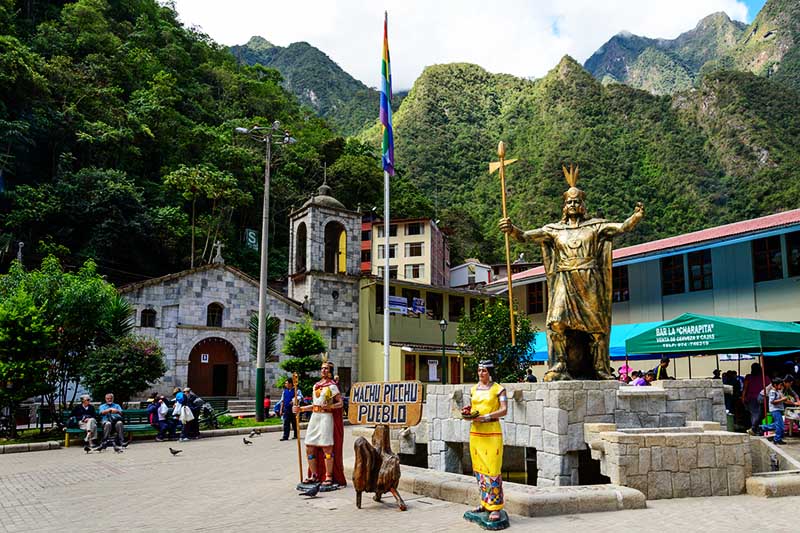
[689, 336]
[393, 403]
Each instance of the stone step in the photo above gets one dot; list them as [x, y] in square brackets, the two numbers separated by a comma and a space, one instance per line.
[524, 500]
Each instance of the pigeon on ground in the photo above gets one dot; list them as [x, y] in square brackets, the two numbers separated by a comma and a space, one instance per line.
[255, 433]
[86, 448]
[117, 448]
[174, 452]
[312, 492]
[247, 442]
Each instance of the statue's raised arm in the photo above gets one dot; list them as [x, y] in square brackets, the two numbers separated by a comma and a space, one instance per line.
[611, 229]
[533, 235]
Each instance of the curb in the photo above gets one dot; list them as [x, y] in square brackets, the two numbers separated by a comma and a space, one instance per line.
[30, 447]
[245, 431]
[524, 500]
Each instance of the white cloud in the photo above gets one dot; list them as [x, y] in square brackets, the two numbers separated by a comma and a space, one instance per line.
[526, 38]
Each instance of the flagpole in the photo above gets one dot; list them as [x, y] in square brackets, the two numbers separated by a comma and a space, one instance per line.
[386, 336]
[387, 160]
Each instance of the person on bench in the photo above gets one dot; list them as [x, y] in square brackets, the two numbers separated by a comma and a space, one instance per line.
[112, 420]
[85, 415]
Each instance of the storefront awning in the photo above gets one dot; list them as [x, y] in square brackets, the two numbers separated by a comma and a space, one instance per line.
[692, 334]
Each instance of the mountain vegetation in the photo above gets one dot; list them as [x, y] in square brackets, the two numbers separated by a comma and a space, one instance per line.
[724, 152]
[665, 66]
[318, 82]
[117, 136]
[768, 47]
[117, 142]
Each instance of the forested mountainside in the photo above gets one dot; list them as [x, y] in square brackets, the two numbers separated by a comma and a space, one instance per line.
[117, 142]
[768, 47]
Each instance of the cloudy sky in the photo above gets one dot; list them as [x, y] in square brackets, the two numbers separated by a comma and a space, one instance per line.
[525, 38]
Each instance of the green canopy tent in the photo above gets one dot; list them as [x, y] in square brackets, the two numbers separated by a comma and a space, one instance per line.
[691, 333]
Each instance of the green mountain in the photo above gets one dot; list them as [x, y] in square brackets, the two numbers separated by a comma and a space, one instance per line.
[665, 66]
[727, 151]
[317, 81]
[771, 45]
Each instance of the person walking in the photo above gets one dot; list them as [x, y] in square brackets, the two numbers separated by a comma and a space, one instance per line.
[289, 418]
[754, 384]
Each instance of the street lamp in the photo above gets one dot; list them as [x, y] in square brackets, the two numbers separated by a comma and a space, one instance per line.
[267, 135]
[443, 327]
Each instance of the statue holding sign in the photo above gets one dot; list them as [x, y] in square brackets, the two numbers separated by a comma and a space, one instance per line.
[577, 259]
[488, 404]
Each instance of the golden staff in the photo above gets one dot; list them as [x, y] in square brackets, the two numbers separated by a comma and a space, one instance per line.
[502, 164]
[295, 379]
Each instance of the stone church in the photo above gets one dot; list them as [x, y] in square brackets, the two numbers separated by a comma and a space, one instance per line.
[201, 316]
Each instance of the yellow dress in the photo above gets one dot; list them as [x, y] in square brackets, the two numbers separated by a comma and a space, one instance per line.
[486, 447]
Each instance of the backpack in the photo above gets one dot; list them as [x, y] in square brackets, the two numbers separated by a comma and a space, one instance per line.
[198, 402]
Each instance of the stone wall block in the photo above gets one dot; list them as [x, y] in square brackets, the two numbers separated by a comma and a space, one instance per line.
[706, 458]
[522, 434]
[655, 458]
[435, 446]
[610, 399]
[682, 440]
[719, 414]
[701, 482]
[659, 485]
[671, 420]
[687, 459]
[554, 443]
[719, 481]
[638, 483]
[437, 429]
[575, 437]
[669, 459]
[443, 407]
[520, 412]
[556, 420]
[562, 399]
[578, 411]
[627, 419]
[681, 485]
[736, 480]
[535, 439]
[645, 465]
[595, 402]
[704, 409]
[534, 413]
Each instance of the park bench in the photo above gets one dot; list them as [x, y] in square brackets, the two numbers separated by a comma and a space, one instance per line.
[134, 421]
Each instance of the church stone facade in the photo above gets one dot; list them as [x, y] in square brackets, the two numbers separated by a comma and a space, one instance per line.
[201, 316]
[201, 319]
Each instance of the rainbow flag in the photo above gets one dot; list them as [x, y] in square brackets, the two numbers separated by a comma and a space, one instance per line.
[387, 145]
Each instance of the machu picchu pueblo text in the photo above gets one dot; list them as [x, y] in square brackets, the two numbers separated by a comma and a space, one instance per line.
[397, 403]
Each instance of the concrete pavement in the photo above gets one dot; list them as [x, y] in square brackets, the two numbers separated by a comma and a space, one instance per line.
[219, 484]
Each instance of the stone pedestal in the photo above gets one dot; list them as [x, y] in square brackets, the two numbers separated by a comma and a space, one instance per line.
[550, 418]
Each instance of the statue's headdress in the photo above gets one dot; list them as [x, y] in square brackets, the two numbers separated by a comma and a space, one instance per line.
[571, 175]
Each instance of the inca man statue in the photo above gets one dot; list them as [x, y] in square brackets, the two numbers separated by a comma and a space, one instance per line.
[577, 259]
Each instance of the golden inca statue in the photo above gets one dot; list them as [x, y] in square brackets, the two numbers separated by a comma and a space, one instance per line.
[577, 259]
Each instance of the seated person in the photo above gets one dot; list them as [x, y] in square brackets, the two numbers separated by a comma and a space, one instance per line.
[85, 415]
[112, 419]
[788, 391]
[646, 380]
[165, 421]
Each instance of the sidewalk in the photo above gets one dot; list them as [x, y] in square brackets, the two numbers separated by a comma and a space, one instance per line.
[228, 486]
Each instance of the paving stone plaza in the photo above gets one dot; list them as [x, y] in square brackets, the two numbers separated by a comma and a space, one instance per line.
[218, 484]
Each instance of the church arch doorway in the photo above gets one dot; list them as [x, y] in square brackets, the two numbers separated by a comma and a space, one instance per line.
[213, 368]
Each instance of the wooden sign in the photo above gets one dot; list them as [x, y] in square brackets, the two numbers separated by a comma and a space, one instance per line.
[394, 403]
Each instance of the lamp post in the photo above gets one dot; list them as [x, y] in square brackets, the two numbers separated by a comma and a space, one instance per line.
[443, 327]
[267, 135]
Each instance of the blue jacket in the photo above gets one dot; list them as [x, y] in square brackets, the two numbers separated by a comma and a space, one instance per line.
[287, 399]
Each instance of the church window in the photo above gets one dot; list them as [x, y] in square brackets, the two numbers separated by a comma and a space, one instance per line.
[335, 248]
[148, 318]
[300, 248]
[214, 315]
